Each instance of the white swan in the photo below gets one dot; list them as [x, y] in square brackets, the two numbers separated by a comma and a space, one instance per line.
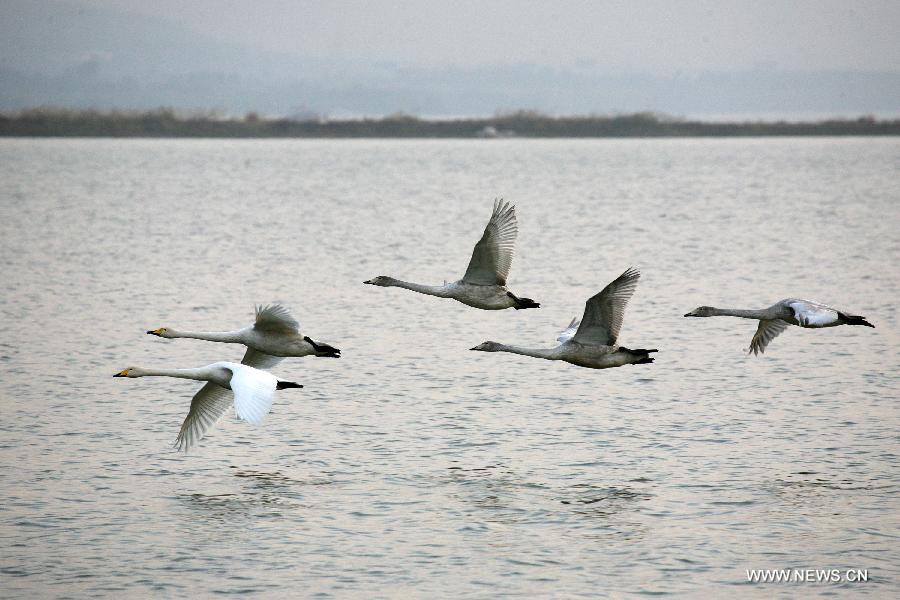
[274, 335]
[484, 284]
[592, 343]
[776, 318]
[249, 389]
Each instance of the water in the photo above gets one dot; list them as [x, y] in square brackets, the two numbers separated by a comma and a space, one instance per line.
[412, 466]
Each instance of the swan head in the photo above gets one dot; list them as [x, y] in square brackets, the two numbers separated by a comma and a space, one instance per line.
[487, 347]
[130, 372]
[382, 280]
[702, 311]
[163, 332]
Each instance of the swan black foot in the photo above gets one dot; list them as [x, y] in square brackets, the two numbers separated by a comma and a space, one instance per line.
[283, 385]
[855, 320]
[323, 350]
[522, 303]
[641, 354]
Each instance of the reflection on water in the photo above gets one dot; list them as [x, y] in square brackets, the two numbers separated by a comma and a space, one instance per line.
[809, 490]
[274, 478]
[613, 499]
[267, 494]
[227, 505]
[412, 467]
[499, 491]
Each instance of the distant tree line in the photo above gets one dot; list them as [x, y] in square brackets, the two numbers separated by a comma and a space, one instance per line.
[165, 122]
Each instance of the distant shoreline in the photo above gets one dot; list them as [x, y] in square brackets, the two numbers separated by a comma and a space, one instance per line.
[166, 123]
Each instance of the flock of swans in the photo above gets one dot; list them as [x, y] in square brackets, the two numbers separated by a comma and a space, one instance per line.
[274, 336]
[590, 342]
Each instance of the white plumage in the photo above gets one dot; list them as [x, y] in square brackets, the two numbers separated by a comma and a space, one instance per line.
[254, 391]
[569, 332]
[809, 313]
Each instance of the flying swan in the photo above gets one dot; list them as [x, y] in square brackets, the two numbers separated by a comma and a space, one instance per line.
[274, 335]
[776, 318]
[249, 389]
[484, 284]
[592, 343]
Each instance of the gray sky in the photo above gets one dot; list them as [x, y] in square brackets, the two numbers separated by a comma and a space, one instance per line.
[646, 35]
[440, 57]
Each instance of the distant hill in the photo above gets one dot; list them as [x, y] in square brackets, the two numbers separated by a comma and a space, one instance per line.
[166, 123]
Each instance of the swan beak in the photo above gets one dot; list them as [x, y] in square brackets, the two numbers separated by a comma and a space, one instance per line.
[369, 282]
[475, 348]
[690, 314]
[157, 332]
[122, 373]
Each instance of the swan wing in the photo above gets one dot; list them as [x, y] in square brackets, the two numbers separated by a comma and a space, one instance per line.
[569, 332]
[765, 333]
[275, 318]
[812, 314]
[493, 254]
[260, 360]
[603, 312]
[207, 407]
[254, 391]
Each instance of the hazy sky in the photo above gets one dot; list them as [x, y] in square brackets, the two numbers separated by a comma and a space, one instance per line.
[444, 57]
[643, 35]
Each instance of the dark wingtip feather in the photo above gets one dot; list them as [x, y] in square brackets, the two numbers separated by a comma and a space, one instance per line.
[631, 272]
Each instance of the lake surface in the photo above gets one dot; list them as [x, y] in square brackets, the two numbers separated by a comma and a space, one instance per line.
[412, 466]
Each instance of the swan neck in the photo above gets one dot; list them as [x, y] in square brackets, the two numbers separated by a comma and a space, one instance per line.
[737, 312]
[546, 353]
[196, 374]
[431, 290]
[233, 337]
